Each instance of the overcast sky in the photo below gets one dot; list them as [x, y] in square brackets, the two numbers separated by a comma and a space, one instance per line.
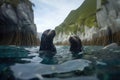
[50, 13]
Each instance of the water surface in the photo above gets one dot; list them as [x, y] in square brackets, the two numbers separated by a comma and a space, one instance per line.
[25, 63]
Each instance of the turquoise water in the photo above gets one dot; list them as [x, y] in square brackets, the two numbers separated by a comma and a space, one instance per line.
[26, 63]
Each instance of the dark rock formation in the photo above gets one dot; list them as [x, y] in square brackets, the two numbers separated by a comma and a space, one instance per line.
[17, 23]
[47, 41]
[75, 44]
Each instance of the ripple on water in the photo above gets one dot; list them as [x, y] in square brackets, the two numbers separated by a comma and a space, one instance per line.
[66, 69]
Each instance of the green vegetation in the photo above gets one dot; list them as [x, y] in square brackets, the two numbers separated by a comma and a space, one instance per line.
[104, 2]
[77, 19]
[14, 3]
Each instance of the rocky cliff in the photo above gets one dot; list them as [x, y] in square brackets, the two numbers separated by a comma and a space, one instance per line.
[17, 23]
[96, 22]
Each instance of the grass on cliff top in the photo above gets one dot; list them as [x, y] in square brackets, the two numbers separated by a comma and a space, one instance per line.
[104, 2]
[84, 15]
[14, 3]
[84, 11]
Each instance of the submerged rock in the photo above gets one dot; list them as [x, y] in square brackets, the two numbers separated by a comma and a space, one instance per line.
[12, 52]
[109, 56]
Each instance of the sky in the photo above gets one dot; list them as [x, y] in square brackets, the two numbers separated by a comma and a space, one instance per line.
[50, 13]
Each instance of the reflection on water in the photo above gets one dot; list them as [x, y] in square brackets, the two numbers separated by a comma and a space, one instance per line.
[27, 63]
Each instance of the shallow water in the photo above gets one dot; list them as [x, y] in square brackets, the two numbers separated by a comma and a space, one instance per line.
[26, 63]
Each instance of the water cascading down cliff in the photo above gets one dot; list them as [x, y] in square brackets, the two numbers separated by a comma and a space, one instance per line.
[96, 22]
[17, 23]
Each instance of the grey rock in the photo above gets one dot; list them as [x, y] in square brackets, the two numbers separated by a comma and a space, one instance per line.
[108, 15]
[17, 21]
[112, 45]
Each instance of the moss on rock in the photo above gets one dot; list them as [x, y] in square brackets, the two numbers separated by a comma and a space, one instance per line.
[14, 3]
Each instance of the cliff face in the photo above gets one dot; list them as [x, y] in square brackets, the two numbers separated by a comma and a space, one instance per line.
[96, 22]
[17, 23]
[108, 20]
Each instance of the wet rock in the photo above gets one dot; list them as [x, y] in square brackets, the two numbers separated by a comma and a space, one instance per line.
[113, 45]
[17, 23]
